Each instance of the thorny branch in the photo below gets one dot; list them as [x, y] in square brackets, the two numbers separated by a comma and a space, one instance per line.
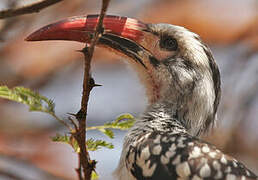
[85, 163]
[27, 9]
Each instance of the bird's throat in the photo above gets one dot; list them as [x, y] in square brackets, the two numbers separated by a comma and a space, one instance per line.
[154, 89]
[161, 117]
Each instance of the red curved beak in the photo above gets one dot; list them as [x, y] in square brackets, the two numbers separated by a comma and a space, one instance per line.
[81, 28]
[121, 34]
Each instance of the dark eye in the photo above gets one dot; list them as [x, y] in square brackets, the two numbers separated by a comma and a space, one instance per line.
[168, 43]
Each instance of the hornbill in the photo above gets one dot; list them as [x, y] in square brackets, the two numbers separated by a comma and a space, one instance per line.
[183, 88]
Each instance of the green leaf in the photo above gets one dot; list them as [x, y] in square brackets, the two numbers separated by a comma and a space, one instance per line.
[94, 145]
[35, 101]
[91, 144]
[125, 116]
[94, 175]
[67, 139]
[123, 122]
[124, 125]
[61, 138]
[107, 132]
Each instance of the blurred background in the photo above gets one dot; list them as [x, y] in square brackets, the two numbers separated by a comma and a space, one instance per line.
[55, 70]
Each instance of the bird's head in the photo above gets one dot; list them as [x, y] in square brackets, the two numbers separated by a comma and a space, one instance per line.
[176, 67]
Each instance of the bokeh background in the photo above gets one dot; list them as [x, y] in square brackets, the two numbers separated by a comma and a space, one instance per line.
[55, 70]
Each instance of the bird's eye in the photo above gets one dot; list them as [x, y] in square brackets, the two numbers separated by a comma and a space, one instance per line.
[168, 43]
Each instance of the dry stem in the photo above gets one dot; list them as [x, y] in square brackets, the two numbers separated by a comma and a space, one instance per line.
[85, 163]
[27, 9]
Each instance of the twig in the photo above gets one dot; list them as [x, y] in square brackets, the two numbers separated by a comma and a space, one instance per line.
[28, 9]
[60, 120]
[8, 23]
[88, 83]
[103, 127]
[73, 123]
[79, 170]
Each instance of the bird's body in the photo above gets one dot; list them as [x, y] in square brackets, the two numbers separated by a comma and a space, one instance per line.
[183, 86]
[165, 150]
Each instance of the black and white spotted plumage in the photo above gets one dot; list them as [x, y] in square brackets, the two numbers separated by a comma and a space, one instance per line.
[158, 155]
[160, 147]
